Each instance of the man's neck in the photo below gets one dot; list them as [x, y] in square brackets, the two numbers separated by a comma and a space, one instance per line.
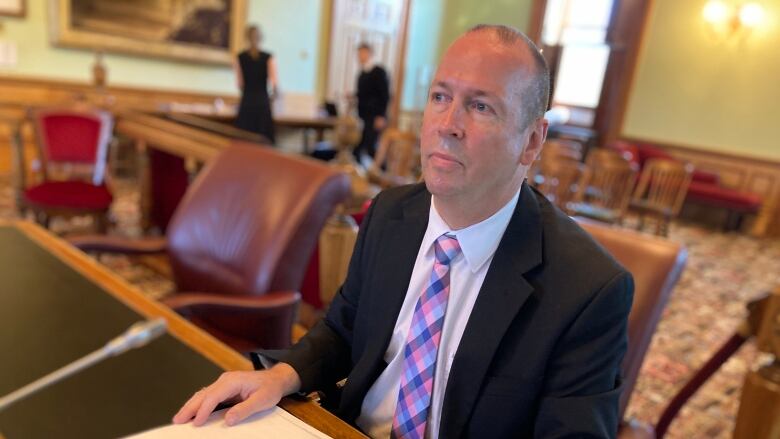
[462, 212]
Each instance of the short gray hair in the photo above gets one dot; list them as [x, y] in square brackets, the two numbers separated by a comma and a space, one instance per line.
[538, 90]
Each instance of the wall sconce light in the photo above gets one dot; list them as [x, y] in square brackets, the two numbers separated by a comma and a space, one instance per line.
[730, 20]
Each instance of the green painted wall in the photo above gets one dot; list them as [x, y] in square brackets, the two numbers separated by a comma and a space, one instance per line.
[697, 89]
[296, 57]
[425, 25]
[460, 15]
[434, 24]
[292, 33]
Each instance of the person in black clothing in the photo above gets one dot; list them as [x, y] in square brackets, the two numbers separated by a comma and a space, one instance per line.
[373, 93]
[255, 69]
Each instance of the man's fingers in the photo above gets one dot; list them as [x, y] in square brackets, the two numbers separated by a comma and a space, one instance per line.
[213, 395]
[258, 401]
[188, 410]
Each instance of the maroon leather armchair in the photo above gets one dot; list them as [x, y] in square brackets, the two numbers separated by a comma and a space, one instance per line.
[239, 242]
[656, 265]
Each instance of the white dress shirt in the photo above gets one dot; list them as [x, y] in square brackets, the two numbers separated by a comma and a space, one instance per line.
[478, 243]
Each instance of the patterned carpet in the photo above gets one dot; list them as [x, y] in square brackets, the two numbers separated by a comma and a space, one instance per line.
[724, 271]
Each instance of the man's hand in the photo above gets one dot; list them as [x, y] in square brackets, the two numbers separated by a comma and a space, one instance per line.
[257, 391]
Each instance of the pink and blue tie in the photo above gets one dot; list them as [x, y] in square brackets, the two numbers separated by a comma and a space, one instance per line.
[422, 345]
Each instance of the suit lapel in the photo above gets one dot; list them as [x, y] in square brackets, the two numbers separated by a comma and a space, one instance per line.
[401, 238]
[503, 293]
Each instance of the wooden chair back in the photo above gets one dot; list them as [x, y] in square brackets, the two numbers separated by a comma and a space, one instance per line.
[558, 180]
[396, 159]
[663, 185]
[605, 191]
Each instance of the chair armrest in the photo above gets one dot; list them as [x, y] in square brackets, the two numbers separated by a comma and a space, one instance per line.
[270, 301]
[118, 244]
[245, 323]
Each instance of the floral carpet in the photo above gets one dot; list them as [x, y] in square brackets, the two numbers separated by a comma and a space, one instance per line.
[724, 271]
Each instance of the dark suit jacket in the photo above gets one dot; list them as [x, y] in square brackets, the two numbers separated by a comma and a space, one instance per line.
[541, 352]
[373, 93]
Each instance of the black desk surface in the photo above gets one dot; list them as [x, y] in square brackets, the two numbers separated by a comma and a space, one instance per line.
[50, 315]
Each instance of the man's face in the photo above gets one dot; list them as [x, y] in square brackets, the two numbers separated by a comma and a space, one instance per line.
[473, 143]
[364, 56]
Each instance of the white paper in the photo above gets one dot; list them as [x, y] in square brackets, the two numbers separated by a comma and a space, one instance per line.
[272, 423]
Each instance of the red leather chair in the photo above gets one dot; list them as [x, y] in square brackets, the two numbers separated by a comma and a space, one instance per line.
[72, 144]
[656, 265]
[240, 240]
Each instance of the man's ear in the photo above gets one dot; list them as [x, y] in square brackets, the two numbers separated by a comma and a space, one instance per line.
[536, 137]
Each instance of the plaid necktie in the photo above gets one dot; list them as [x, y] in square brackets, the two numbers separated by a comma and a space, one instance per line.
[422, 345]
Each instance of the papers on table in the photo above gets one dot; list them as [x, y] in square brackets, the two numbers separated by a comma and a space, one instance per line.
[272, 423]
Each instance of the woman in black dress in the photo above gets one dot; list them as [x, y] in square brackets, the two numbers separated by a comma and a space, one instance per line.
[255, 69]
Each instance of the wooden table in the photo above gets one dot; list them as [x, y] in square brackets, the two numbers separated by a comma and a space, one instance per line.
[306, 124]
[56, 305]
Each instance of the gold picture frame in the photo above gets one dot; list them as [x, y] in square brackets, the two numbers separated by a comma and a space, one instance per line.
[171, 29]
[13, 8]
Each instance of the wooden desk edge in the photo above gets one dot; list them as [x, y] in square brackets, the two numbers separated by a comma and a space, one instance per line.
[178, 327]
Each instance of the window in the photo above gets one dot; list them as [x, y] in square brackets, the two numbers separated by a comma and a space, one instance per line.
[576, 30]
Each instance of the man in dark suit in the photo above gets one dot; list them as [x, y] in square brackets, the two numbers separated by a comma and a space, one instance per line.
[472, 306]
[373, 94]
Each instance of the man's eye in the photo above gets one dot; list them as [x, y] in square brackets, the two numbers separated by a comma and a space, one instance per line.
[481, 107]
[437, 97]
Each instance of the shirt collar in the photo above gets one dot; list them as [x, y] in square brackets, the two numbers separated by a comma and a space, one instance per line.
[478, 241]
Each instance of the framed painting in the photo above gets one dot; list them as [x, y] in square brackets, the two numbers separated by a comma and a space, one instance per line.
[204, 31]
[12, 8]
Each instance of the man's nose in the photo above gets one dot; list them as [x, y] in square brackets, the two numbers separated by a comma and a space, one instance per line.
[451, 124]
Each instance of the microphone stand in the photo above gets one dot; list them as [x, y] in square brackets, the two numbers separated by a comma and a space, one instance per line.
[136, 336]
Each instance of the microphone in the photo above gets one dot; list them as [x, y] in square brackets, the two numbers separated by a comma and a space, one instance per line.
[136, 336]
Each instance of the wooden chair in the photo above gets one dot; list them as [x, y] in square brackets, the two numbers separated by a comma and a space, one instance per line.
[601, 155]
[604, 191]
[558, 180]
[396, 159]
[567, 149]
[73, 148]
[661, 192]
[554, 150]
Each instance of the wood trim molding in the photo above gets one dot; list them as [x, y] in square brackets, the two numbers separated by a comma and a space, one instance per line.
[626, 37]
[536, 21]
[178, 327]
[395, 105]
[323, 60]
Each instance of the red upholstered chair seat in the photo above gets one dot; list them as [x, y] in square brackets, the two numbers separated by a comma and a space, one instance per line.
[726, 198]
[69, 195]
